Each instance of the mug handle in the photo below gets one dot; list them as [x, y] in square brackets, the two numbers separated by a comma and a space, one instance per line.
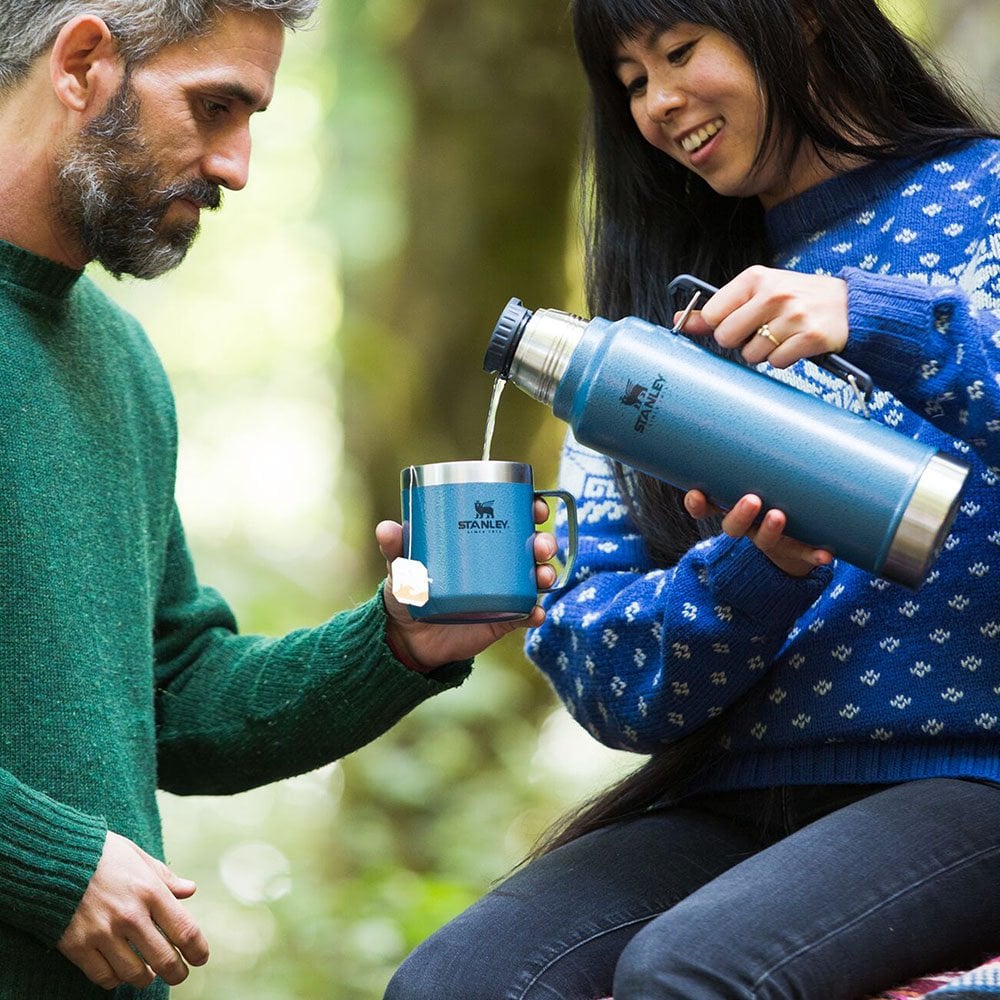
[570, 503]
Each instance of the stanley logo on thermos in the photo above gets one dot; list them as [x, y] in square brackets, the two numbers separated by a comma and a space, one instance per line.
[644, 399]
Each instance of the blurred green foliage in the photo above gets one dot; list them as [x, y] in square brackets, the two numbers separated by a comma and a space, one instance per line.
[416, 169]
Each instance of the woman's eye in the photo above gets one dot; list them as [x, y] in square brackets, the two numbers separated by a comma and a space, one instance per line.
[635, 87]
[677, 56]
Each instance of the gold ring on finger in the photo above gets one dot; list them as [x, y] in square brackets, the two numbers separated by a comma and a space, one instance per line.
[765, 331]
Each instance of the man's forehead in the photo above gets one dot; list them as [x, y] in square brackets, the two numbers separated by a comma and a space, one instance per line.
[238, 58]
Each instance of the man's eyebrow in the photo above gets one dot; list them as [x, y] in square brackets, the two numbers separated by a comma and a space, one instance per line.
[238, 92]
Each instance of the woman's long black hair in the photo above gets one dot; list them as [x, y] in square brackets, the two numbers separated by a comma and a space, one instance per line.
[834, 73]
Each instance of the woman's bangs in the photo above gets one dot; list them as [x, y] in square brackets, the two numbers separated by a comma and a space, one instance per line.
[601, 26]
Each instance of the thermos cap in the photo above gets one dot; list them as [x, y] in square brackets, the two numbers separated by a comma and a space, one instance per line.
[504, 339]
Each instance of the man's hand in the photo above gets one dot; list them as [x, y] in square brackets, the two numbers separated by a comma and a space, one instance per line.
[428, 646]
[129, 926]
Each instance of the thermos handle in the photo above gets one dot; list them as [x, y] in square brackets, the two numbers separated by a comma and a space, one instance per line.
[859, 380]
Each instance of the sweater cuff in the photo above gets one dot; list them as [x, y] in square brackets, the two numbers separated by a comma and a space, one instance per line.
[889, 321]
[448, 675]
[48, 853]
[748, 581]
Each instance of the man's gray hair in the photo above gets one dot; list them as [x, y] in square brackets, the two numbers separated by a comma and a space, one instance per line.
[141, 27]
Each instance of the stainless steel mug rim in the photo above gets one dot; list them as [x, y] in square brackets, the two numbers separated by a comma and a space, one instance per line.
[451, 473]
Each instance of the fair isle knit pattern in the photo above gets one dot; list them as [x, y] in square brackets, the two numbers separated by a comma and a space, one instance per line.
[838, 677]
[120, 672]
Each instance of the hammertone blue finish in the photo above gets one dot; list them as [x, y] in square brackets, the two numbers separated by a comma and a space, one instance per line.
[657, 401]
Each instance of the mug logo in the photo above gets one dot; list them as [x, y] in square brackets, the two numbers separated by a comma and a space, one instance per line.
[644, 399]
[485, 519]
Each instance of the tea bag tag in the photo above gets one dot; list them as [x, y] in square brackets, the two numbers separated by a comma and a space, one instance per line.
[410, 583]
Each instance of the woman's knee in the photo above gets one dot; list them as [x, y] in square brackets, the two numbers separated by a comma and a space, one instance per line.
[671, 959]
[434, 969]
[475, 957]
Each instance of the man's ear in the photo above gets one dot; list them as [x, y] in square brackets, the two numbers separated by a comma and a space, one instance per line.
[84, 64]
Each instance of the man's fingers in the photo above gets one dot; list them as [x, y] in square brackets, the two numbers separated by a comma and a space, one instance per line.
[99, 971]
[389, 536]
[180, 935]
[126, 965]
[182, 888]
[160, 958]
[140, 948]
[545, 546]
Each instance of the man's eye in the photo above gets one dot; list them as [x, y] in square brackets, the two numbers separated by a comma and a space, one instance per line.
[213, 109]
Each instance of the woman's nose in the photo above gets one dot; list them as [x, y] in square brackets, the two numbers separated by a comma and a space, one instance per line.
[662, 98]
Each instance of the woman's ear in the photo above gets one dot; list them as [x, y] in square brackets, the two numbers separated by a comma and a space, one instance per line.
[85, 65]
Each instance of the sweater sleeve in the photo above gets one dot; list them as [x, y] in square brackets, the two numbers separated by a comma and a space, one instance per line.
[235, 711]
[936, 347]
[48, 853]
[643, 656]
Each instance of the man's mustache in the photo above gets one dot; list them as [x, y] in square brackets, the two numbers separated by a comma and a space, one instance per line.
[203, 193]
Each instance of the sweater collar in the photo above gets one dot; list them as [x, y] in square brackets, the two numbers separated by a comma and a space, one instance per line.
[831, 202]
[38, 274]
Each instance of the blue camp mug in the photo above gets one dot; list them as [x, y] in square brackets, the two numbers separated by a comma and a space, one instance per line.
[472, 525]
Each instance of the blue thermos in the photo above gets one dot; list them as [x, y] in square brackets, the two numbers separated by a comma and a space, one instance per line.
[658, 402]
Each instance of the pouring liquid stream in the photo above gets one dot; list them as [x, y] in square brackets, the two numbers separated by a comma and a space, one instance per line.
[491, 416]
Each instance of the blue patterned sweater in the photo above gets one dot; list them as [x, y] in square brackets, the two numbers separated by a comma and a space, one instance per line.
[838, 677]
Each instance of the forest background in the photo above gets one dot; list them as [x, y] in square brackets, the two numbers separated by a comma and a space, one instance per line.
[417, 168]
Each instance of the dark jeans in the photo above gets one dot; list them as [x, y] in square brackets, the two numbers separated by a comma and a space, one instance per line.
[806, 893]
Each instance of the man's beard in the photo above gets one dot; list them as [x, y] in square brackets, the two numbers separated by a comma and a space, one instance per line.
[112, 198]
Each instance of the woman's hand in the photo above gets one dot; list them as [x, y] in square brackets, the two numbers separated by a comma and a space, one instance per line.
[425, 646]
[792, 557]
[776, 316]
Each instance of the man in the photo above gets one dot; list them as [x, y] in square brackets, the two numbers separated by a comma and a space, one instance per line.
[120, 121]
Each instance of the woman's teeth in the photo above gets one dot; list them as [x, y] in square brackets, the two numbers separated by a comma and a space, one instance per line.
[695, 140]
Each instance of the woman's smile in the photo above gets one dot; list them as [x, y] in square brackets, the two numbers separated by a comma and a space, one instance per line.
[698, 138]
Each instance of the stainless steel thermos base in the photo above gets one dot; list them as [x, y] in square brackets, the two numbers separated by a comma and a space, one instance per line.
[926, 521]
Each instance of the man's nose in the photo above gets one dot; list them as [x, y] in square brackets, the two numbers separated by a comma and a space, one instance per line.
[227, 163]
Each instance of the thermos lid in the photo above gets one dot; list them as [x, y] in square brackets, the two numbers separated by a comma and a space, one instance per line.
[504, 339]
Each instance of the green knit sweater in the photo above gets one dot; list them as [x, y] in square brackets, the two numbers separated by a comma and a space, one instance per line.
[119, 672]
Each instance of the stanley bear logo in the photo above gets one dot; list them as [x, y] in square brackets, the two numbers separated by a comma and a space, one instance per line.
[633, 394]
[485, 520]
[645, 401]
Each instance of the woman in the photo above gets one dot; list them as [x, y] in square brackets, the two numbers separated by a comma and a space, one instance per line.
[818, 814]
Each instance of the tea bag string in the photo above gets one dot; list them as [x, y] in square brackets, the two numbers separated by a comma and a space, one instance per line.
[409, 490]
